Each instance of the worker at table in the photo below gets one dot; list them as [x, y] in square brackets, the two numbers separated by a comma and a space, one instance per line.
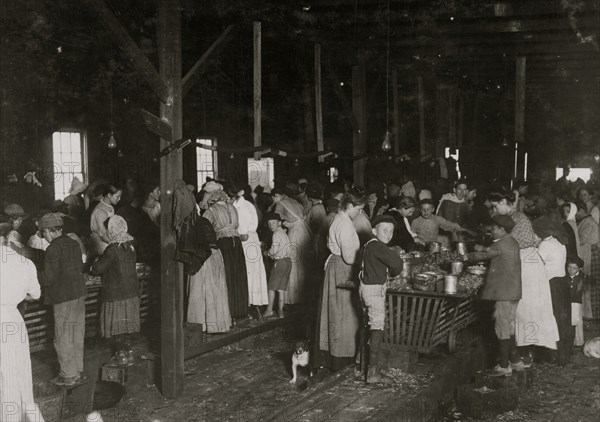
[427, 226]
[377, 261]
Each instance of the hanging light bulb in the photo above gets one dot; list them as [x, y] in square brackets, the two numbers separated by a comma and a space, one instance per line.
[296, 162]
[387, 145]
[232, 156]
[505, 142]
[112, 142]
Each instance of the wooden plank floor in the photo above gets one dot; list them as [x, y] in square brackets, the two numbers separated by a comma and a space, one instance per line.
[235, 384]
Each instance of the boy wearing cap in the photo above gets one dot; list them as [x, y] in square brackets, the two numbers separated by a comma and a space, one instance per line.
[282, 266]
[65, 290]
[378, 260]
[503, 286]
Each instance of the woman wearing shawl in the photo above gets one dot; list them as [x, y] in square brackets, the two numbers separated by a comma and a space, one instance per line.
[292, 213]
[120, 312]
[255, 267]
[568, 211]
[589, 247]
[535, 322]
[225, 221]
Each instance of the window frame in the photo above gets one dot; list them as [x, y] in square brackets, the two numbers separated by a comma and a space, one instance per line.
[214, 155]
[83, 139]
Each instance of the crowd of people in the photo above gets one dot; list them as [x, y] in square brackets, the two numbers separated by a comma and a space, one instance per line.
[244, 248]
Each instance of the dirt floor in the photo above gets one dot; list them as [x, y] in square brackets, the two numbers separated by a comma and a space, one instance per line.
[558, 394]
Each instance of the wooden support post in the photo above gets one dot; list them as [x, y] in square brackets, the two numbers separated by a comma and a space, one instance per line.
[476, 108]
[359, 107]
[451, 118]
[171, 282]
[396, 113]
[461, 117]
[318, 105]
[520, 99]
[421, 95]
[257, 88]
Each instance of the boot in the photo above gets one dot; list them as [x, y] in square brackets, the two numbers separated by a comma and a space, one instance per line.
[361, 356]
[373, 374]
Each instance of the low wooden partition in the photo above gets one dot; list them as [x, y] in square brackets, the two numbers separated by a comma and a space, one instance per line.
[39, 318]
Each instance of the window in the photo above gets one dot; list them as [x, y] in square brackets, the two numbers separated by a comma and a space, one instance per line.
[456, 156]
[69, 160]
[261, 172]
[584, 173]
[205, 161]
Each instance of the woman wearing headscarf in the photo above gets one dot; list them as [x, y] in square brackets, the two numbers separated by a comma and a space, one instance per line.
[338, 317]
[568, 212]
[120, 312]
[255, 267]
[224, 218]
[18, 282]
[292, 213]
[589, 247]
[585, 196]
[535, 322]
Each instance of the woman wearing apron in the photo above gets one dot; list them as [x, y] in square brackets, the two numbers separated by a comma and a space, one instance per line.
[535, 322]
[292, 213]
[339, 314]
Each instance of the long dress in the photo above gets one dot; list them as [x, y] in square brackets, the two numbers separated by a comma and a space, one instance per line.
[18, 278]
[292, 212]
[338, 314]
[224, 219]
[258, 293]
[535, 324]
[589, 247]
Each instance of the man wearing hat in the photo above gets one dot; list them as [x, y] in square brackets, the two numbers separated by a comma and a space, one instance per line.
[65, 290]
[377, 261]
[503, 286]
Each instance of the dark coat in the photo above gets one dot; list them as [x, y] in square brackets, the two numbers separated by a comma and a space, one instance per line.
[62, 276]
[119, 275]
[401, 236]
[503, 280]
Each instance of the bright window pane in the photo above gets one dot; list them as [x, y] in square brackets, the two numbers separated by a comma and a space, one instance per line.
[68, 161]
[204, 162]
[583, 173]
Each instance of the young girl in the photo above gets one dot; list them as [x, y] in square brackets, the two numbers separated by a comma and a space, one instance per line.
[282, 268]
[110, 196]
[120, 313]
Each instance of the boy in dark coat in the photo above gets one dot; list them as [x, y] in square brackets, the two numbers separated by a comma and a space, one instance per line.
[65, 290]
[378, 260]
[503, 286]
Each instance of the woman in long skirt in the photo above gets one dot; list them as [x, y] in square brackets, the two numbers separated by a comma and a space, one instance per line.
[208, 302]
[292, 213]
[589, 245]
[535, 322]
[255, 267]
[224, 218]
[18, 281]
[338, 317]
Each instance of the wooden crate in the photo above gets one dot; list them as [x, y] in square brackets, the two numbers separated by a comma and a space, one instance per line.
[424, 320]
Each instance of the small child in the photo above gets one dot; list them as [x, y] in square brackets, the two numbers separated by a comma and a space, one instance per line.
[282, 267]
[577, 281]
[503, 286]
[378, 260]
[427, 226]
[120, 312]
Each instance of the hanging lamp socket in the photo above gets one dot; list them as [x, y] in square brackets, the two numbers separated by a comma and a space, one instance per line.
[112, 142]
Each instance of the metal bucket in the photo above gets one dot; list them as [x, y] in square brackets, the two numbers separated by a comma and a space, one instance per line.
[450, 284]
[457, 267]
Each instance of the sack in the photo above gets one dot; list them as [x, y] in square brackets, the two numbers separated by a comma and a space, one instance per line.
[576, 314]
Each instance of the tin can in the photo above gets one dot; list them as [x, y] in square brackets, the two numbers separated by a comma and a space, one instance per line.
[457, 267]
[461, 248]
[450, 284]
[435, 247]
[406, 269]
